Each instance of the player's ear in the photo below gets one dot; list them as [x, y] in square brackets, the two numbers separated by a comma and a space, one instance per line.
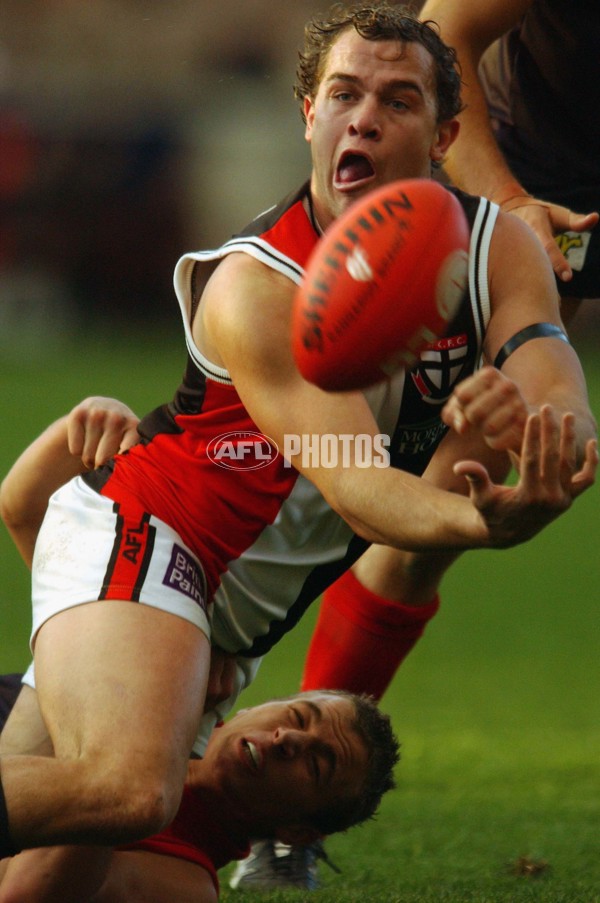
[297, 835]
[447, 132]
[309, 115]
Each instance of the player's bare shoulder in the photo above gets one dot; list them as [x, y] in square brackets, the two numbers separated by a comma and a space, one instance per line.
[517, 262]
[244, 303]
[521, 282]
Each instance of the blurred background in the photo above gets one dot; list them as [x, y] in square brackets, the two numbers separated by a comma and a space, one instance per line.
[130, 131]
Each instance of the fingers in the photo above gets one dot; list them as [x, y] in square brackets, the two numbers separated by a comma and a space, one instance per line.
[549, 460]
[548, 220]
[478, 479]
[99, 428]
[567, 451]
[559, 262]
[581, 222]
[491, 403]
[547, 481]
[586, 477]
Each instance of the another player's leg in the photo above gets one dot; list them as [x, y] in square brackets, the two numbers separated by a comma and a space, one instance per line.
[371, 618]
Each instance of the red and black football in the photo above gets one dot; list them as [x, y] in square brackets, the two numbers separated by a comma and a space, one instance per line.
[382, 283]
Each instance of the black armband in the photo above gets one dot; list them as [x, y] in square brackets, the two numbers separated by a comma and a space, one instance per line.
[535, 331]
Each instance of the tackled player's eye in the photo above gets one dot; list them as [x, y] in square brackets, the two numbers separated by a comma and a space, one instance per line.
[316, 769]
[299, 717]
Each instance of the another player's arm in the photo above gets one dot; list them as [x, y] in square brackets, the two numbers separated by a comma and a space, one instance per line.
[543, 370]
[469, 26]
[89, 435]
[474, 162]
[144, 877]
[243, 324]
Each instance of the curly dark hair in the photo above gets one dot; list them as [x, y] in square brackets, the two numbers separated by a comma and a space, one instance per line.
[375, 729]
[378, 22]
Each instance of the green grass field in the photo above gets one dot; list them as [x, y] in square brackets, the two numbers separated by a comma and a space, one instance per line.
[498, 709]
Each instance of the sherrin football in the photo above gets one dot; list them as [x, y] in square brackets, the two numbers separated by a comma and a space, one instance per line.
[382, 283]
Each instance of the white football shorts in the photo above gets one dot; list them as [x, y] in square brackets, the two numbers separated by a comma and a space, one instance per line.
[91, 548]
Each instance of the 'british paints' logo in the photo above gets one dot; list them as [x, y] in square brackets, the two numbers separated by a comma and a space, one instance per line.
[184, 575]
[242, 450]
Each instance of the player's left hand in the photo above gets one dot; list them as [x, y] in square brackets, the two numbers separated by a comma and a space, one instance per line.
[491, 403]
[548, 220]
[548, 481]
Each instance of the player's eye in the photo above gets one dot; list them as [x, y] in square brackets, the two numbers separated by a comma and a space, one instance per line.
[344, 96]
[298, 717]
[316, 768]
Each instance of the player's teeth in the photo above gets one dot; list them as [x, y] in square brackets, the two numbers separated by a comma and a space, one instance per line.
[253, 753]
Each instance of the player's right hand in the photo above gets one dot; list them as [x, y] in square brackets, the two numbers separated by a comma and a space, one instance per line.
[548, 480]
[99, 428]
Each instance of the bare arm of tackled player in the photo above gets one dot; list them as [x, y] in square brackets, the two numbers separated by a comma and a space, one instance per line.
[88, 436]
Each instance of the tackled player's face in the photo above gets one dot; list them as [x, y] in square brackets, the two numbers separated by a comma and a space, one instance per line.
[285, 760]
[373, 120]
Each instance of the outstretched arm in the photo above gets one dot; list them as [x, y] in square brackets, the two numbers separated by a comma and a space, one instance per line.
[383, 505]
[475, 162]
[96, 429]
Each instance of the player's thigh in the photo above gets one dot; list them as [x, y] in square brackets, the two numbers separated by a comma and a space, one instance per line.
[122, 679]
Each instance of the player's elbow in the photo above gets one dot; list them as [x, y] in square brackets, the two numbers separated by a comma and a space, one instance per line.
[12, 511]
[143, 810]
[21, 521]
[9, 508]
[129, 804]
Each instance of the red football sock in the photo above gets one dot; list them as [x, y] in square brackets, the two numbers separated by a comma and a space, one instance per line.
[361, 638]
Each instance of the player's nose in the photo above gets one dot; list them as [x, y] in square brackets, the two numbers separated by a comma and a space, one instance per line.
[289, 742]
[365, 121]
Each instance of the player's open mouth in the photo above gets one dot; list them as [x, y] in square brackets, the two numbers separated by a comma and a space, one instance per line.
[353, 170]
[252, 754]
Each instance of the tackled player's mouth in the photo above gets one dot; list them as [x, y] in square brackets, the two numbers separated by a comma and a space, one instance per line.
[354, 171]
[251, 755]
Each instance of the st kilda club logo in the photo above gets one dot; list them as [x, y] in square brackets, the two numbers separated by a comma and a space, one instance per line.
[242, 450]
